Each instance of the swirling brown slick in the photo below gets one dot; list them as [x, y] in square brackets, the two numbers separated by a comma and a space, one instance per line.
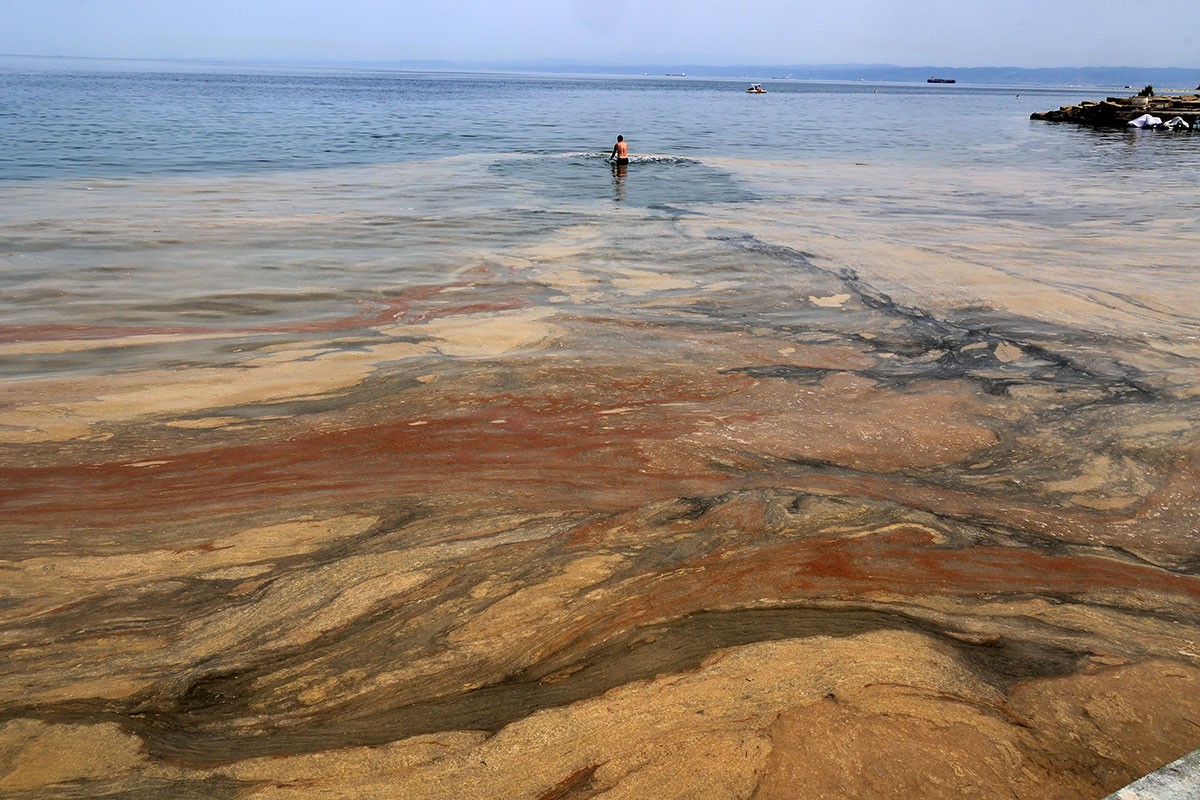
[566, 526]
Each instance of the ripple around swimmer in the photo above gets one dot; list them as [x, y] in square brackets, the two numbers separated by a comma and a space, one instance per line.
[649, 181]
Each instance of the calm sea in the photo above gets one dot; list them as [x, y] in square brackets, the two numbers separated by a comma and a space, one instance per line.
[152, 195]
[69, 118]
[338, 407]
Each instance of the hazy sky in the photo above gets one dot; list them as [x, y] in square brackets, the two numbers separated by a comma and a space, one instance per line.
[1027, 33]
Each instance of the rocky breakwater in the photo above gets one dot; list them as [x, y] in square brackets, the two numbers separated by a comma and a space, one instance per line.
[1120, 111]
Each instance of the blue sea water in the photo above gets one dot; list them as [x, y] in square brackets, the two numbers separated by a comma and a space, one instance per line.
[72, 118]
[145, 195]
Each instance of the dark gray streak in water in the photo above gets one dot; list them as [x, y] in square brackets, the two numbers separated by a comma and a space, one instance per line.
[922, 335]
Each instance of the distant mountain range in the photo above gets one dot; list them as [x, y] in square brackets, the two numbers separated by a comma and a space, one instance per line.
[1115, 77]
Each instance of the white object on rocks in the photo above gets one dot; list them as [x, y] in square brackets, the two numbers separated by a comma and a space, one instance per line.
[1146, 121]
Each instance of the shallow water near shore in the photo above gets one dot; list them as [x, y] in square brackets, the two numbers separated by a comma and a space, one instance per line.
[477, 468]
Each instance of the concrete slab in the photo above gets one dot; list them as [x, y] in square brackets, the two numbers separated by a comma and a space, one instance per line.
[1179, 780]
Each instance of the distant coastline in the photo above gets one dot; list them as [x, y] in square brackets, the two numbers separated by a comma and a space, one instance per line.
[1184, 78]
[1118, 76]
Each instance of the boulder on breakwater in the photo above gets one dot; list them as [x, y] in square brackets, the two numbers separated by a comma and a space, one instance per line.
[1117, 112]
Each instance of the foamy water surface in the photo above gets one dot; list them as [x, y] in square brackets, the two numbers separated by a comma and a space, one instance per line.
[366, 434]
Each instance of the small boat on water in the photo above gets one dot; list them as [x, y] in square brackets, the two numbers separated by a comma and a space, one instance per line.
[756, 88]
[940, 80]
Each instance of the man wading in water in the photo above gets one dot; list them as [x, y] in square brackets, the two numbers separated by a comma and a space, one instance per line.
[620, 152]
